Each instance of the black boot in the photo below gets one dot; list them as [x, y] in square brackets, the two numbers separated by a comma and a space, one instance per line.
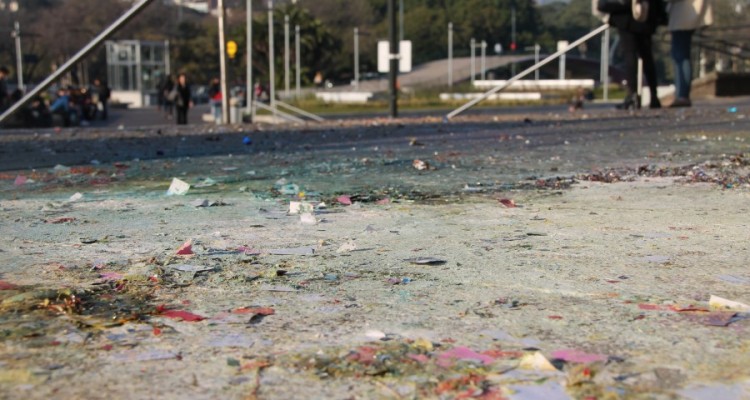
[655, 103]
[632, 101]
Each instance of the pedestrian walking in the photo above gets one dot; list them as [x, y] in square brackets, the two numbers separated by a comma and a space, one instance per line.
[214, 96]
[636, 21]
[4, 98]
[100, 96]
[685, 17]
[168, 96]
[184, 100]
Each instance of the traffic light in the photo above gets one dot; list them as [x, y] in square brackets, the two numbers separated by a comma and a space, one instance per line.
[512, 46]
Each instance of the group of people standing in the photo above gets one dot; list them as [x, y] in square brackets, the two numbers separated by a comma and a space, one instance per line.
[637, 21]
[175, 95]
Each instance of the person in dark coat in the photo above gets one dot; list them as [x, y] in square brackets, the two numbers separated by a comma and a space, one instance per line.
[167, 96]
[101, 94]
[4, 98]
[184, 100]
[635, 39]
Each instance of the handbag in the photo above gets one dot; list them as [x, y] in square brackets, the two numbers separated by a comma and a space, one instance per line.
[172, 94]
[613, 6]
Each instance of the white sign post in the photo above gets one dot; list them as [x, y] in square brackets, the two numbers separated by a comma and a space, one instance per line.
[404, 56]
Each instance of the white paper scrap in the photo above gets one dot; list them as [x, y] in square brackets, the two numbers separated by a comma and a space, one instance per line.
[178, 188]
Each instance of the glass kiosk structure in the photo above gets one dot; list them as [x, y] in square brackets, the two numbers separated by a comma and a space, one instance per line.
[134, 70]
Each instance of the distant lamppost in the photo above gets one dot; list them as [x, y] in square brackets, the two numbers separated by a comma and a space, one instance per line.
[12, 6]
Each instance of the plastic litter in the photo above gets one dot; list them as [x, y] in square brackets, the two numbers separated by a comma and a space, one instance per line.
[178, 188]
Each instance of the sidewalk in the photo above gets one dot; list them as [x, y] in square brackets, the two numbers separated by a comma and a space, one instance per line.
[548, 255]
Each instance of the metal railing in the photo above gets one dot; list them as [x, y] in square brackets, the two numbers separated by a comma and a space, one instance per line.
[299, 111]
[276, 112]
[527, 71]
[91, 46]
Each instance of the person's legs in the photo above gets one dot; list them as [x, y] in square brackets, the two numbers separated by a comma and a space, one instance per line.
[216, 110]
[630, 53]
[683, 72]
[181, 116]
[645, 51]
[105, 109]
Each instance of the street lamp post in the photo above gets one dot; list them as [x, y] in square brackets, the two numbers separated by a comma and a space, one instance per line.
[271, 56]
[287, 71]
[297, 59]
[249, 72]
[401, 20]
[394, 59]
[473, 52]
[223, 64]
[450, 54]
[356, 58]
[16, 34]
[19, 55]
[483, 59]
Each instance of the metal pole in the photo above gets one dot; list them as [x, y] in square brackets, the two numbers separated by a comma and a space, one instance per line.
[562, 67]
[527, 71]
[537, 49]
[484, 61]
[356, 58]
[394, 59]
[19, 56]
[605, 55]
[271, 56]
[513, 38]
[249, 68]
[223, 64]
[450, 54]
[401, 20]
[91, 46]
[513, 28]
[287, 70]
[297, 59]
[473, 46]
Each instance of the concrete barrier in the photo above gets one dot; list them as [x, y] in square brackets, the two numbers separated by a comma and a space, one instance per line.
[344, 97]
[540, 85]
[534, 96]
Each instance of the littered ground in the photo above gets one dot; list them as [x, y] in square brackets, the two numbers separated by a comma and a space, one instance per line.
[542, 256]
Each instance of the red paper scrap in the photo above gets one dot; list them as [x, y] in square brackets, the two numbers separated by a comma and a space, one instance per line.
[255, 310]
[507, 203]
[20, 180]
[7, 285]
[345, 200]
[186, 249]
[690, 308]
[183, 315]
[503, 354]
[554, 317]
[364, 355]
